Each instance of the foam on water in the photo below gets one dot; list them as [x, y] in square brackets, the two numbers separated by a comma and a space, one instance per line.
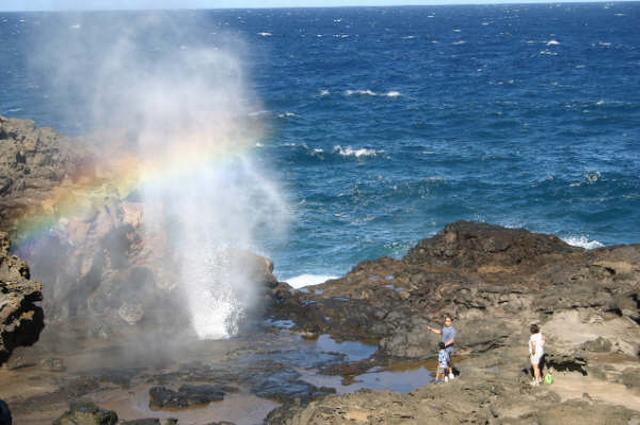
[307, 280]
[358, 153]
[582, 242]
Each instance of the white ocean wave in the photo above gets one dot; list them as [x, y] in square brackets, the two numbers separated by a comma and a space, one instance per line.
[553, 43]
[367, 92]
[324, 92]
[287, 115]
[458, 43]
[358, 153]
[265, 34]
[307, 279]
[259, 145]
[582, 242]
[360, 93]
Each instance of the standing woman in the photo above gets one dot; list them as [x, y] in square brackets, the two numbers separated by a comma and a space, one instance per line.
[448, 333]
[536, 351]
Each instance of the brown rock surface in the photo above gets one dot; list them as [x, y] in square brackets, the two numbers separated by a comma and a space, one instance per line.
[21, 320]
[495, 282]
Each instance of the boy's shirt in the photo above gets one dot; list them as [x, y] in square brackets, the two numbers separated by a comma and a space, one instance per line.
[443, 359]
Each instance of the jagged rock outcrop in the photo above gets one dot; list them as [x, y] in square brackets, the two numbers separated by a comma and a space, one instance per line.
[21, 319]
[477, 272]
[495, 282]
[78, 221]
[33, 161]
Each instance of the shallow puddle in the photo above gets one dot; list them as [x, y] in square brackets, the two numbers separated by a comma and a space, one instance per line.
[240, 408]
[353, 351]
[374, 379]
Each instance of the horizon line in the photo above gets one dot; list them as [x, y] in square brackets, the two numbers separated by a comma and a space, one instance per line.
[436, 3]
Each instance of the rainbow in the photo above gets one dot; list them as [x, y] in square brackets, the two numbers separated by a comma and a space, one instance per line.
[119, 175]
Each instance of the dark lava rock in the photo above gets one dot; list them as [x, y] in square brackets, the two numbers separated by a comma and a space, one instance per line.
[147, 421]
[5, 414]
[285, 386]
[21, 320]
[87, 414]
[186, 396]
[472, 244]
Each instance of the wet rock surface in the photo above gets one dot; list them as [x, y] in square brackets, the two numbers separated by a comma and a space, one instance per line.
[87, 414]
[21, 319]
[185, 396]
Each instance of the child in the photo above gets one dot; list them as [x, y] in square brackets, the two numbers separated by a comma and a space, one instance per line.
[443, 364]
[536, 351]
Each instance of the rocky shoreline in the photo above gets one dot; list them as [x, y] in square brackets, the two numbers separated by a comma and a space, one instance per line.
[494, 281]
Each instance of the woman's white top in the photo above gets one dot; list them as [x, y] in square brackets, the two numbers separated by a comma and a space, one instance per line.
[536, 344]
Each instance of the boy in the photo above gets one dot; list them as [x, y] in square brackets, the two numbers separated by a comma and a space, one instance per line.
[443, 364]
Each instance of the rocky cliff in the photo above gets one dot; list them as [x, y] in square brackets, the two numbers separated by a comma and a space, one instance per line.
[21, 320]
[495, 282]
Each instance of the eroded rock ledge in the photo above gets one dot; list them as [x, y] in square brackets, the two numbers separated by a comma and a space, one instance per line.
[21, 320]
[495, 282]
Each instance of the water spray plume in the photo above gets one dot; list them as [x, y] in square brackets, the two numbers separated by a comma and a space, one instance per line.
[186, 154]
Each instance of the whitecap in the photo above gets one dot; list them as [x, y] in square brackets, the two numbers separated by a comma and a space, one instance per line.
[393, 93]
[604, 44]
[431, 16]
[75, 26]
[458, 43]
[287, 115]
[457, 30]
[303, 280]
[484, 24]
[360, 93]
[324, 92]
[593, 177]
[582, 242]
[358, 153]
[553, 43]
[600, 102]
[259, 145]
[318, 150]
[619, 14]
[265, 34]
[548, 52]
[409, 37]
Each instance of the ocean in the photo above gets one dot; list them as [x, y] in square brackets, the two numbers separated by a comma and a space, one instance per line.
[385, 124]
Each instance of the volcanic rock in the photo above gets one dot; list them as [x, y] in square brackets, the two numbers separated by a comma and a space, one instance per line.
[185, 396]
[495, 282]
[21, 320]
[87, 414]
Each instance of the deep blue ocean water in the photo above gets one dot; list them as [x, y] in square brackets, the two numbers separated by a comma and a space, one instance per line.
[388, 123]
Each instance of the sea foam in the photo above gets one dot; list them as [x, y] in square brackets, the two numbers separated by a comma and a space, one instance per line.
[358, 153]
[582, 242]
[307, 280]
